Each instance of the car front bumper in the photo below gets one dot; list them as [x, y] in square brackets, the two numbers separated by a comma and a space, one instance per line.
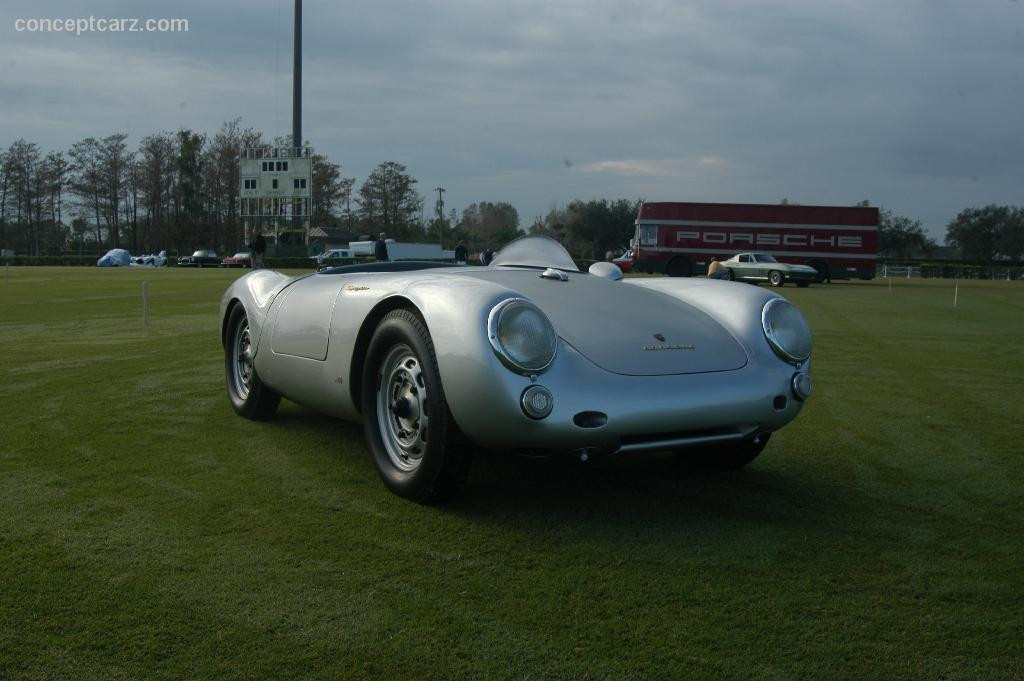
[595, 410]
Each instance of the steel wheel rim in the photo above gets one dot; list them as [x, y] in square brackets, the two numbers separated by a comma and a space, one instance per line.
[241, 361]
[775, 278]
[402, 408]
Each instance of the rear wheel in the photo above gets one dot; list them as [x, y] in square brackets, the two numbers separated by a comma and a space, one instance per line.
[823, 273]
[417, 448]
[679, 267]
[249, 396]
[729, 274]
[775, 278]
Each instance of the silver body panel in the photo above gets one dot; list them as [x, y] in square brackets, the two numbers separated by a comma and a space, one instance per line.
[721, 383]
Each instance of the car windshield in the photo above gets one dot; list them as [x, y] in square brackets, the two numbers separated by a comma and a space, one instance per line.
[764, 257]
[243, 254]
[535, 251]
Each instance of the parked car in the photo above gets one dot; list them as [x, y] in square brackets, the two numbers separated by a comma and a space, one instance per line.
[200, 258]
[439, 361]
[625, 261]
[758, 267]
[325, 259]
[240, 259]
[158, 260]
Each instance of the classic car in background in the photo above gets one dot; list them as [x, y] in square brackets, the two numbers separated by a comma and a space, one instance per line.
[200, 258]
[523, 355]
[240, 259]
[331, 256]
[757, 267]
[158, 260]
[625, 261]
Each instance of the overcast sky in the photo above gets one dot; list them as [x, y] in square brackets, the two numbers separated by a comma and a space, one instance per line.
[916, 105]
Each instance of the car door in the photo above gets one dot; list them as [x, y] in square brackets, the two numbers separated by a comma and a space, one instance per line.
[303, 324]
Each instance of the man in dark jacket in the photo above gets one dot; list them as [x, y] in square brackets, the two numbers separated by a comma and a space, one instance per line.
[257, 248]
[461, 254]
[380, 249]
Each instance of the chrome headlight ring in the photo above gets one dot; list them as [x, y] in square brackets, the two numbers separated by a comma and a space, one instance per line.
[786, 330]
[509, 312]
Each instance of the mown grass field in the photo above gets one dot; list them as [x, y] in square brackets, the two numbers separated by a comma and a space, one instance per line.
[147, 532]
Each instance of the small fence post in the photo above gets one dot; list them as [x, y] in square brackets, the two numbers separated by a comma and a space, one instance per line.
[956, 291]
[145, 303]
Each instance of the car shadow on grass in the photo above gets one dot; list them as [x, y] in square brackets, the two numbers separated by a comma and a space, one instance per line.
[639, 490]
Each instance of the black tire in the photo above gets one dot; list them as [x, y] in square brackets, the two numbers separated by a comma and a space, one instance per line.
[725, 457]
[679, 267]
[249, 396]
[775, 278]
[416, 445]
[729, 274]
[823, 272]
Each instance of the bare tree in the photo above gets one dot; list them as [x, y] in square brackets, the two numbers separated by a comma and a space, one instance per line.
[389, 202]
[87, 180]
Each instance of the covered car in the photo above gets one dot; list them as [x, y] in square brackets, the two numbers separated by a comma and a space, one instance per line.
[115, 257]
[440, 362]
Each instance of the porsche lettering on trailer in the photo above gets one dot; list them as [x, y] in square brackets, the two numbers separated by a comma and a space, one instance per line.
[680, 239]
[768, 239]
[439, 361]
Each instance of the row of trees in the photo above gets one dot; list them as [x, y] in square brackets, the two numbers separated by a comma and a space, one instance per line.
[174, 191]
[179, 191]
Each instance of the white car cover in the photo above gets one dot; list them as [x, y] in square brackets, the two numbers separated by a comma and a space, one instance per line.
[117, 257]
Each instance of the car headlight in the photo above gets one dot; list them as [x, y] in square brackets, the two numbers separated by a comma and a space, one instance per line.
[521, 336]
[786, 330]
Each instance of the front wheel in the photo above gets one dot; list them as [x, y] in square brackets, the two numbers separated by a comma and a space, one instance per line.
[249, 396]
[729, 274]
[416, 445]
[775, 278]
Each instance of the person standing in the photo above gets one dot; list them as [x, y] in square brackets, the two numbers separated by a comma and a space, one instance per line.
[461, 254]
[257, 248]
[380, 248]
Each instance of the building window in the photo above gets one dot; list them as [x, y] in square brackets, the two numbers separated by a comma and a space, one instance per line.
[275, 184]
[250, 184]
[264, 166]
[284, 166]
[300, 183]
[278, 166]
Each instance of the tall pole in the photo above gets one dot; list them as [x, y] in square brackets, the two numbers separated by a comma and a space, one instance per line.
[297, 102]
[297, 79]
[440, 215]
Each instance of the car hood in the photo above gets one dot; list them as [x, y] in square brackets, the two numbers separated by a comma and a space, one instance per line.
[806, 269]
[627, 329]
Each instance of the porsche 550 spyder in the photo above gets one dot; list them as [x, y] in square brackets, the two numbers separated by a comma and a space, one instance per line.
[528, 354]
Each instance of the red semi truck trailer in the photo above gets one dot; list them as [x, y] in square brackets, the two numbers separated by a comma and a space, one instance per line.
[680, 239]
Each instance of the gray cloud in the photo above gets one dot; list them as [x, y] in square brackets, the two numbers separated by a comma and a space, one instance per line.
[914, 105]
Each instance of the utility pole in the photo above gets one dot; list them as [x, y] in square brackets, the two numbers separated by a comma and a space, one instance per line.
[297, 99]
[439, 208]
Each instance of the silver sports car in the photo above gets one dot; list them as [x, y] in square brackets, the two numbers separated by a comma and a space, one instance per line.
[528, 354]
[756, 267]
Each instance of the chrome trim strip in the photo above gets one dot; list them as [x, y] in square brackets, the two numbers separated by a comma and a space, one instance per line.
[669, 443]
